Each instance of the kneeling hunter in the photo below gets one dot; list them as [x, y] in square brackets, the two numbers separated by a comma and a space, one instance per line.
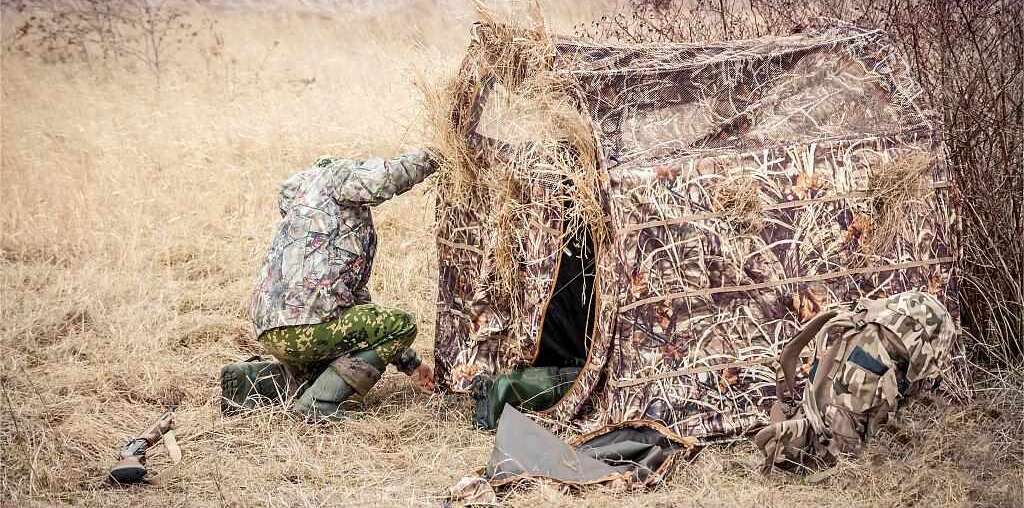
[311, 308]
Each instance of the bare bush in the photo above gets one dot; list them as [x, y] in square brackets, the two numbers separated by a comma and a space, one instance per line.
[638, 21]
[968, 56]
[105, 32]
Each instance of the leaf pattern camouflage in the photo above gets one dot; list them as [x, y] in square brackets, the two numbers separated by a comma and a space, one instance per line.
[696, 296]
[322, 251]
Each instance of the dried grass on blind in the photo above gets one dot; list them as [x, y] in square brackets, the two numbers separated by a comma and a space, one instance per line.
[737, 199]
[896, 192]
[561, 154]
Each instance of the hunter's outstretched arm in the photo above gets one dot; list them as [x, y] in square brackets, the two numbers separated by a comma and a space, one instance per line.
[375, 181]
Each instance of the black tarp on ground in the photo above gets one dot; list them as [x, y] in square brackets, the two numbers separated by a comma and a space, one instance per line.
[524, 449]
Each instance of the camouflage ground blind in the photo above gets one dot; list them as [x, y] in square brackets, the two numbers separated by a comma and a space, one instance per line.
[745, 185]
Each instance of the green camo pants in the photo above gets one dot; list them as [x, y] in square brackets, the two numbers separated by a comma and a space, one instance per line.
[308, 348]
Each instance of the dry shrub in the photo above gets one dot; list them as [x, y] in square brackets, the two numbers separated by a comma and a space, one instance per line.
[115, 34]
[968, 57]
[640, 21]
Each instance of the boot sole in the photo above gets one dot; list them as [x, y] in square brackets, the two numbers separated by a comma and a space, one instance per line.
[234, 391]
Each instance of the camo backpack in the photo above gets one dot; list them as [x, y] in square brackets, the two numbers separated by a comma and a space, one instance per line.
[866, 360]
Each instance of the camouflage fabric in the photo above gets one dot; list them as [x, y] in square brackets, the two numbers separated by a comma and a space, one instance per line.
[475, 327]
[320, 258]
[387, 332]
[866, 360]
[697, 289]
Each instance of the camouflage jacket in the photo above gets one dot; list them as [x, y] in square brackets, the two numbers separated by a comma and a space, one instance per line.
[322, 251]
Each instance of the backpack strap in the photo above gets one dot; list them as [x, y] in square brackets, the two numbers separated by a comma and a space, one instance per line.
[785, 388]
[816, 396]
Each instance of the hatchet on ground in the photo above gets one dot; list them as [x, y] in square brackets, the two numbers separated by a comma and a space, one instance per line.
[131, 466]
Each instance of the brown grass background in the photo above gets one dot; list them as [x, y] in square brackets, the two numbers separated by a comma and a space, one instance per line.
[132, 219]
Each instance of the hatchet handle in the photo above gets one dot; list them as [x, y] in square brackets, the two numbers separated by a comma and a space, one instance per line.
[150, 436]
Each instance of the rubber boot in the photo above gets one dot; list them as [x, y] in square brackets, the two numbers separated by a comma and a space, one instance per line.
[251, 384]
[345, 377]
[532, 388]
[483, 412]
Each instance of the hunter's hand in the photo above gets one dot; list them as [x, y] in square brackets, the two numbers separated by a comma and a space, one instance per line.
[423, 377]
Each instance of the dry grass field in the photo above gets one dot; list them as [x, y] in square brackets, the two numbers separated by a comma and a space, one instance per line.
[132, 219]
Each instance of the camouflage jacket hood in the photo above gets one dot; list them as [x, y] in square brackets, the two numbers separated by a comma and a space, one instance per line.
[322, 251]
